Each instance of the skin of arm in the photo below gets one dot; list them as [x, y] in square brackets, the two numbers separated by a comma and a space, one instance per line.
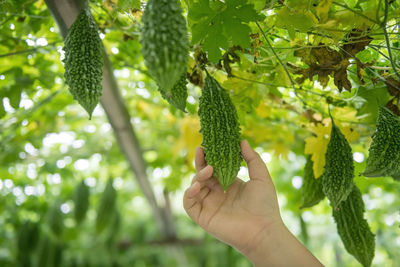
[247, 215]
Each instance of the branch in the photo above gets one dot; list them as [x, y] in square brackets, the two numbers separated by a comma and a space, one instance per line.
[283, 65]
[387, 40]
[29, 50]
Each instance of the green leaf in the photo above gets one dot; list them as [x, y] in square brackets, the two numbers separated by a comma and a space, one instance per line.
[367, 55]
[372, 97]
[247, 13]
[15, 96]
[219, 26]
[292, 19]
[199, 31]
[213, 45]
[258, 4]
[238, 31]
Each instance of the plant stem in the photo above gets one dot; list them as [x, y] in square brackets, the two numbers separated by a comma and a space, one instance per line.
[283, 65]
[387, 40]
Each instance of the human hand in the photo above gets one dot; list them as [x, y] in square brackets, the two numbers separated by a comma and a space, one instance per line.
[247, 215]
[239, 216]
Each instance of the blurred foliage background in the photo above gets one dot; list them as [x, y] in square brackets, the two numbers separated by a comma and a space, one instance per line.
[49, 150]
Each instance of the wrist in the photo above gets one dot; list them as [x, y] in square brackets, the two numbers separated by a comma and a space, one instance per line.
[265, 241]
[277, 246]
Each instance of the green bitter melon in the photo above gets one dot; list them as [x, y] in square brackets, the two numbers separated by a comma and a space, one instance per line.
[353, 229]
[81, 202]
[312, 192]
[384, 152]
[84, 61]
[165, 43]
[221, 132]
[107, 206]
[178, 94]
[56, 218]
[337, 178]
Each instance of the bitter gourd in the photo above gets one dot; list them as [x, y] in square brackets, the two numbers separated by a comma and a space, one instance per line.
[312, 188]
[81, 202]
[84, 61]
[337, 178]
[27, 238]
[221, 132]
[353, 229]
[106, 207]
[49, 252]
[165, 43]
[56, 219]
[178, 94]
[384, 152]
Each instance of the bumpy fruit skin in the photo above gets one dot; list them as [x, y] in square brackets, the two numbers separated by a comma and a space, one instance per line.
[221, 132]
[312, 188]
[337, 178]
[84, 61]
[165, 43]
[178, 94]
[353, 229]
[384, 152]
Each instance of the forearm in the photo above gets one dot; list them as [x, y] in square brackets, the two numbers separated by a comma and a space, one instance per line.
[279, 247]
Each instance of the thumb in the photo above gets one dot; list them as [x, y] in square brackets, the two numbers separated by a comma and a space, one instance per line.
[257, 168]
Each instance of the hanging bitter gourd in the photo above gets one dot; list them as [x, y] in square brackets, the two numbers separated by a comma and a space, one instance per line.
[106, 208]
[312, 188]
[384, 152]
[27, 238]
[337, 178]
[178, 94]
[81, 202]
[49, 253]
[55, 218]
[221, 132]
[84, 61]
[353, 229]
[165, 43]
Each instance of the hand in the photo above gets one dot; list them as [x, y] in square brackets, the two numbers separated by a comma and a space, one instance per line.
[247, 215]
[239, 216]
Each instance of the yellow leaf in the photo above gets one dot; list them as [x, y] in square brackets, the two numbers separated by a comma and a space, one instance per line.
[346, 113]
[350, 133]
[189, 138]
[316, 145]
[263, 110]
[281, 150]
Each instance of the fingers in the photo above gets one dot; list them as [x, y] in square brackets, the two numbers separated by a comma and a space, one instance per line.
[199, 161]
[201, 186]
[193, 190]
[203, 174]
[257, 168]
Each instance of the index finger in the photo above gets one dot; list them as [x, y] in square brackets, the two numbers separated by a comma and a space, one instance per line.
[199, 162]
[257, 168]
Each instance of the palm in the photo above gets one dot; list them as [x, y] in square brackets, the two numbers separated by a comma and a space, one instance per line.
[240, 214]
